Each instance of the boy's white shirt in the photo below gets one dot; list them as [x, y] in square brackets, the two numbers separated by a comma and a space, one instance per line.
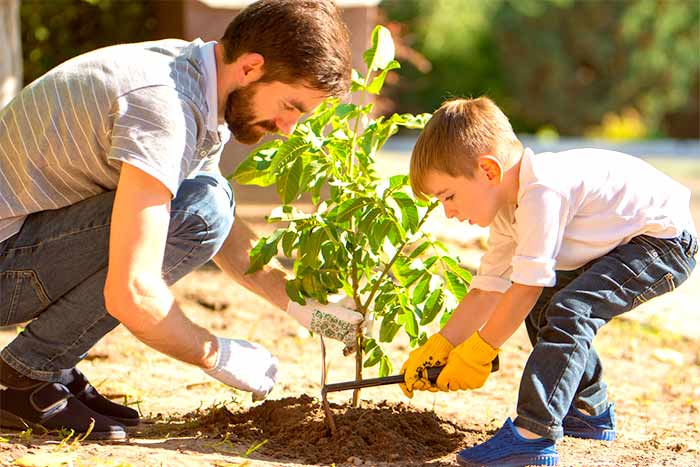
[575, 206]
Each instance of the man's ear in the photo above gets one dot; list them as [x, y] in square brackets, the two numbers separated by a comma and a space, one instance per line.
[492, 168]
[248, 68]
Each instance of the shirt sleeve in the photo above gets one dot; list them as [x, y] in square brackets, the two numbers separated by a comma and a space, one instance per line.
[494, 268]
[156, 130]
[541, 218]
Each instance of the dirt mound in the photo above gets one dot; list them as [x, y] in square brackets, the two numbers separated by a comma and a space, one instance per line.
[380, 432]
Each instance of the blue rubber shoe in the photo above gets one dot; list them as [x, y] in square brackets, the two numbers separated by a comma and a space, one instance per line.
[580, 425]
[508, 449]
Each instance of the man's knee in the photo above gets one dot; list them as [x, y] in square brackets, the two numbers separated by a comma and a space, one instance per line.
[202, 213]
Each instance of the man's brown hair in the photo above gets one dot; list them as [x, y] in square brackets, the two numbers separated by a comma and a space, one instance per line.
[458, 133]
[299, 39]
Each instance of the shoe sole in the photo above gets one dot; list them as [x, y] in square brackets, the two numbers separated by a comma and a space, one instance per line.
[604, 435]
[514, 461]
[125, 421]
[10, 420]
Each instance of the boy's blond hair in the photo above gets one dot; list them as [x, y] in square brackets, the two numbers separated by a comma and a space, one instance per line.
[458, 133]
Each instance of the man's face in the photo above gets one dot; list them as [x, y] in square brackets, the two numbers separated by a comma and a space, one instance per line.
[268, 107]
[473, 199]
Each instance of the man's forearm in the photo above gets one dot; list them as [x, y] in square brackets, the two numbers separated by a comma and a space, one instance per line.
[153, 316]
[233, 259]
[509, 313]
[473, 311]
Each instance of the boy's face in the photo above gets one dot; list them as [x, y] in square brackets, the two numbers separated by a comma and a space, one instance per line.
[475, 199]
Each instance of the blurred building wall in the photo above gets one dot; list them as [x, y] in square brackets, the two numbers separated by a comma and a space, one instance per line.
[10, 51]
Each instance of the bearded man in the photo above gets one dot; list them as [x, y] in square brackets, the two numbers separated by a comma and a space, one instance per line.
[110, 192]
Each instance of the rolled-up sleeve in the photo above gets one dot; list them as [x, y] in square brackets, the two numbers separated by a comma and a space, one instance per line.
[494, 268]
[541, 218]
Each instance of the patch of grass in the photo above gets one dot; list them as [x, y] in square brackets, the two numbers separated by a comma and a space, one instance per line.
[654, 333]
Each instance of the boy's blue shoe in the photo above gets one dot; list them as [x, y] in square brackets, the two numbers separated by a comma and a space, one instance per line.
[580, 425]
[508, 449]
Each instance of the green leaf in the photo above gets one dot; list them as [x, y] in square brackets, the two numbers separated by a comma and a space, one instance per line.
[256, 168]
[409, 211]
[410, 324]
[310, 247]
[455, 285]
[419, 251]
[291, 149]
[367, 220]
[421, 289]
[287, 213]
[385, 367]
[376, 85]
[381, 53]
[452, 265]
[288, 240]
[289, 183]
[357, 82]
[264, 251]
[389, 326]
[344, 211]
[374, 357]
[293, 292]
[445, 317]
[432, 306]
[345, 110]
[398, 181]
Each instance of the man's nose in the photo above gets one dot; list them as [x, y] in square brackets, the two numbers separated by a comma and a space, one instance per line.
[286, 122]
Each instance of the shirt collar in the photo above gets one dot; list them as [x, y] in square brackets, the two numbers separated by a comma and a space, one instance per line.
[209, 65]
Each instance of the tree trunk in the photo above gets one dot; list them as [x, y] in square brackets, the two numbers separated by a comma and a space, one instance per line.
[10, 51]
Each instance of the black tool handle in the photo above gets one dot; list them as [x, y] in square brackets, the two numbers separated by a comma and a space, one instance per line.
[433, 373]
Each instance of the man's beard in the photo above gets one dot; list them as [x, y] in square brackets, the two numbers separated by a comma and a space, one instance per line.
[240, 116]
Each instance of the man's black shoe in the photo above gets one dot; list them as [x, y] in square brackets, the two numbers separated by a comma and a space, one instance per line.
[53, 407]
[77, 383]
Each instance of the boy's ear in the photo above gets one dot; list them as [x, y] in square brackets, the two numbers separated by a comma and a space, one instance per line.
[492, 168]
[248, 68]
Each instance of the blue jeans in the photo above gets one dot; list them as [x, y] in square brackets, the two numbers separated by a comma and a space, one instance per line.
[563, 367]
[52, 272]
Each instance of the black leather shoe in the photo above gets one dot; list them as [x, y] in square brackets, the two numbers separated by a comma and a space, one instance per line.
[53, 407]
[77, 383]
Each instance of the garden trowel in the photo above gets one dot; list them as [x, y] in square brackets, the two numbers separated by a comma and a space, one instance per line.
[433, 373]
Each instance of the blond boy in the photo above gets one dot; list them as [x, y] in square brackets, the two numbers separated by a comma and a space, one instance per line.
[576, 238]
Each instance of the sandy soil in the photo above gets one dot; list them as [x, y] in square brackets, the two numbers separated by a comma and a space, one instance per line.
[652, 367]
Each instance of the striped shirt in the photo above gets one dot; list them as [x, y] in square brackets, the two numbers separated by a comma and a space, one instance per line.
[64, 137]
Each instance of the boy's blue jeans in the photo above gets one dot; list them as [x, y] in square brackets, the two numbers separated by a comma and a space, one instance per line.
[563, 367]
[52, 272]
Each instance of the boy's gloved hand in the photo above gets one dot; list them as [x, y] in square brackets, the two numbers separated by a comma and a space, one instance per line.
[334, 320]
[468, 365]
[433, 353]
[245, 366]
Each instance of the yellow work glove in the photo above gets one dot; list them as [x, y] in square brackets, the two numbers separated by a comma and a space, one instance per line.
[468, 365]
[433, 353]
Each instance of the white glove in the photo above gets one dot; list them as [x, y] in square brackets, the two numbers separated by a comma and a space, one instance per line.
[245, 366]
[333, 320]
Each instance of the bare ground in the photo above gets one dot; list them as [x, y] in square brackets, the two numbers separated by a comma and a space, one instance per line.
[652, 368]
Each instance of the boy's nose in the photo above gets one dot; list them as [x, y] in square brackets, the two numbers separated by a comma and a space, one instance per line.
[449, 213]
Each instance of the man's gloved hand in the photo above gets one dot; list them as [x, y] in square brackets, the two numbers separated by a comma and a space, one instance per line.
[334, 320]
[433, 353]
[245, 366]
[468, 365]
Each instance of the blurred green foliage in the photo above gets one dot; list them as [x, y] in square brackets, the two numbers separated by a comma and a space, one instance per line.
[562, 64]
[55, 30]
